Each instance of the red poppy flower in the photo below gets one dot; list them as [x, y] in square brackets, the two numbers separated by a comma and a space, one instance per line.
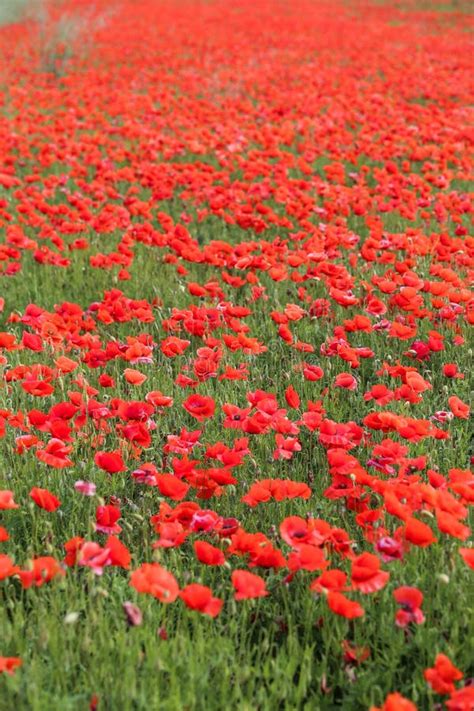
[106, 518]
[10, 664]
[134, 377]
[449, 524]
[248, 585]
[119, 555]
[43, 570]
[330, 580]
[346, 381]
[93, 556]
[6, 500]
[106, 381]
[199, 597]
[3, 534]
[55, 454]
[153, 579]
[292, 398]
[442, 676]
[418, 533]
[461, 699]
[344, 607]
[459, 408]
[451, 370]
[354, 655]
[7, 569]
[45, 499]
[410, 600]
[111, 462]
[72, 548]
[208, 554]
[200, 407]
[395, 702]
[173, 346]
[366, 574]
[307, 557]
[468, 556]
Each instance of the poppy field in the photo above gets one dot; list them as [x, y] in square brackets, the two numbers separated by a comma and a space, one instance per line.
[235, 356]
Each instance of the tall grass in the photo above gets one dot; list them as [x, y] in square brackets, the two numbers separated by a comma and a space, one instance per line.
[12, 11]
[57, 33]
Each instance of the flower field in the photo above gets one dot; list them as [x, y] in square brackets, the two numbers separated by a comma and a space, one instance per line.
[235, 356]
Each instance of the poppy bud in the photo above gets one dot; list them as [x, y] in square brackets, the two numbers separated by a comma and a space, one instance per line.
[133, 614]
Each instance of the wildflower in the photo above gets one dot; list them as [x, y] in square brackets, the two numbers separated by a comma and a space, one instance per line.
[410, 600]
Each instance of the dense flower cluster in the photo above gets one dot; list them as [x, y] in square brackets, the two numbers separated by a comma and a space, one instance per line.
[235, 268]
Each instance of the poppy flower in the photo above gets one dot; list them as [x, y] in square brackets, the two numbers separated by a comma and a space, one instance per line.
[200, 407]
[366, 574]
[307, 557]
[10, 664]
[72, 548]
[330, 580]
[133, 614]
[86, 488]
[292, 398]
[208, 554]
[395, 702]
[199, 597]
[468, 556]
[389, 549]
[91, 555]
[451, 370]
[342, 606]
[106, 381]
[277, 489]
[134, 377]
[65, 365]
[106, 518]
[461, 699]
[7, 569]
[410, 600]
[354, 655]
[153, 579]
[37, 388]
[248, 585]
[295, 530]
[6, 500]
[171, 487]
[45, 499]
[449, 524]
[286, 447]
[313, 372]
[173, 346]
[380, 394]
[418, 533]
[119, 555]
[42, 571]
[172, 534]
[157, 399]
[442, 676]
[110, 462]
[346, 381]
[55, 454]
[459, 408]
[32, 342]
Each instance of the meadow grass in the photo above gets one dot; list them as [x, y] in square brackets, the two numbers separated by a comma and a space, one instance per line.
[12, 10]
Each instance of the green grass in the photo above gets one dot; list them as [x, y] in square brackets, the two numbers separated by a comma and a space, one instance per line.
[12, 11]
